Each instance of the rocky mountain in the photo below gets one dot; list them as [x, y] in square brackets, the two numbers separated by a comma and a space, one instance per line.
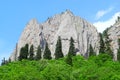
[65, 25]
[114, 35]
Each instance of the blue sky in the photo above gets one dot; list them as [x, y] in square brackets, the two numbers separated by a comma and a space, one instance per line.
[14, 15]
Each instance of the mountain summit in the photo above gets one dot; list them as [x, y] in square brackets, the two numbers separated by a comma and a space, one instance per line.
[65, 25]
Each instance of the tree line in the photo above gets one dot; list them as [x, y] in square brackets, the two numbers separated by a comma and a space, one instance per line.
[26, 53]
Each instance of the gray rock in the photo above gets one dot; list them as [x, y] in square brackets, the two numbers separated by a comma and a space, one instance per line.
[114, 35]
[65, 25]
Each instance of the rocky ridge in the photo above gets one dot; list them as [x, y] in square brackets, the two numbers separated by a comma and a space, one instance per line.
[65, 25]
[114, 35]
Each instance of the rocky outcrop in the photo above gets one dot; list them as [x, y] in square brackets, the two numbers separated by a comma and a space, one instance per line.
[65, 25]
[29, 35]
[114, 35]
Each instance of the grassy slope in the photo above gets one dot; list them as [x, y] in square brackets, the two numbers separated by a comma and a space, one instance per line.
[95, 68]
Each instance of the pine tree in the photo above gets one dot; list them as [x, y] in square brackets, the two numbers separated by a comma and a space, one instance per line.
[23, 52]
[3, 61]
[47, 53]
[9, 60]
[31, 53]
[71, 52]
[21, 56]
[108, 50]
[107, 43]
[91, 51]
[38, 54]
[26, 51]
[69, 59]
[72, 47]
[118, 54]
[58, 50]
[102, 46]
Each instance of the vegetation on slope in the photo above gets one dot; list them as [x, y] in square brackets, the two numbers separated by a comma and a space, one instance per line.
[94, 68]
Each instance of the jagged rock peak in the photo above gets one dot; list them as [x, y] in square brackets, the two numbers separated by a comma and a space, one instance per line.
[33, 21]
[68, 12]
[65, 25]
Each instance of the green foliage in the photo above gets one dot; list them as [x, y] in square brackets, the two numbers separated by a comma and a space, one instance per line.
[58, 50]
[61, 71]
[69, 59]
[91, 51]
[38, 54]
[71, 52]
[4, 61]
[102, 46]
[118, 54]
[107, 43]
[31, 53]
[47, 53]
[22, 70]
[99, 67]
[108, 50]
[21, 56]
[24, 52]
[105, 35]
[101, 59]
[72, 47]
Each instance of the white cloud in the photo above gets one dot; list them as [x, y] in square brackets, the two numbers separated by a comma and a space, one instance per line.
[102, 25]
[101, 13]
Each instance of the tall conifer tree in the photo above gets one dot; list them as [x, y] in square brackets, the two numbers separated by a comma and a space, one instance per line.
[58, 50]
[91, 51]
[107, 43]
[102, 45]
[47, 53]
[38, 54]
[31, 52]
[3, 61]
[72, 47]
[24, 52]
[69, 59]
[21, 56]
[118, 54]
[71, 52]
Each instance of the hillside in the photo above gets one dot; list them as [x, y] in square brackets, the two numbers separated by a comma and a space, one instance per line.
[95, 68]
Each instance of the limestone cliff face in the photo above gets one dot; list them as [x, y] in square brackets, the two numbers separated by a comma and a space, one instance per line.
[29, 35]
[65, 25]
[114, 35]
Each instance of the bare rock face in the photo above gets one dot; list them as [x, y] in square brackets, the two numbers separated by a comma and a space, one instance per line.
[65, 25]
[114, 35]
[29, 35]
